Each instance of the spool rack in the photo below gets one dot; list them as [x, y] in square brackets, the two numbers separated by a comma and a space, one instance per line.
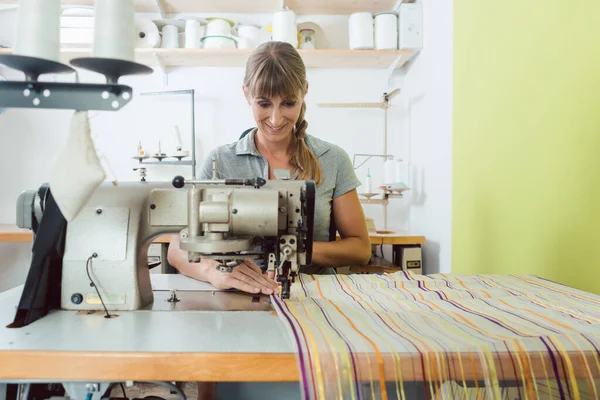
[192, 162]
[32, 93]
[387, 192]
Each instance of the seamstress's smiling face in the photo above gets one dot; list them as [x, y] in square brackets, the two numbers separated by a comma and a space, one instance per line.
[276, 116]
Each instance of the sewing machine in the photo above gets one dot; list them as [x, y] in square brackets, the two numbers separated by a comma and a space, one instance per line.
[98, 261]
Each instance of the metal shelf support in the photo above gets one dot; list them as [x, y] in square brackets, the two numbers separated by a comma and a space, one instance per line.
[192, 94]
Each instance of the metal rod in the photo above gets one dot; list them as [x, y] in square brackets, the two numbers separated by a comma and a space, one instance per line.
[206, 182]
[182, 162]
[385, 216]
[193, 134]
[385, 118]
[368, 158]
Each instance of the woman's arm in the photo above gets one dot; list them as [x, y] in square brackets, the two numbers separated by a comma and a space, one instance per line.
[246, 277]
[354, 248]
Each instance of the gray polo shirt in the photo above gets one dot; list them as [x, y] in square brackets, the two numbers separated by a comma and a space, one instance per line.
[242, 160]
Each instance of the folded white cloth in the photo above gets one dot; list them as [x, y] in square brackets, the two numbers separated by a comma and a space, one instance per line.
[77, 170]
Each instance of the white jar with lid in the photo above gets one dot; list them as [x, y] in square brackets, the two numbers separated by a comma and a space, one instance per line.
[360, 26]
[284, 27]
[251, 33]
[386, 31]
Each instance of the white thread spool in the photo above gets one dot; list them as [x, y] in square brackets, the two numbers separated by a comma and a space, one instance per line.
[170, 37]
[193, 33]
[389, 172]
[147, 34]
[400, 176]
[386, 31]
[38, 29]
[114, 33]
[284, 27]
[360, 27]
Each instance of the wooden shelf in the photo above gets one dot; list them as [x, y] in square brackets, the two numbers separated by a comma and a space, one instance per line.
[237, 58]
[10, 233]
[341, 7]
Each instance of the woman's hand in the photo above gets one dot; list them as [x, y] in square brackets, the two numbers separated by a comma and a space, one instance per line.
[247, 277]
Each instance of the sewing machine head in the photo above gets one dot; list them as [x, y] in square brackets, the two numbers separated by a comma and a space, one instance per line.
[228, 220]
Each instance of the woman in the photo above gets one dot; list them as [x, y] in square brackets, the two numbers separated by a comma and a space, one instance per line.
[274, 86]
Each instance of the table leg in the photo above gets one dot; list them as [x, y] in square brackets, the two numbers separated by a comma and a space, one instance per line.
[396, 255]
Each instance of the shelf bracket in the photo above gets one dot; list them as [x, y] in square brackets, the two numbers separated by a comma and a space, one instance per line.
[163, 68]
[392, 68]
[160, 4]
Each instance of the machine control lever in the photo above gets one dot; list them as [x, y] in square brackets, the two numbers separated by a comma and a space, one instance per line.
[179, 182]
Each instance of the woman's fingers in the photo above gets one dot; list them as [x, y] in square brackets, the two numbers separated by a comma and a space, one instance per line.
[232, 282]
[249, 276]
[258, 274]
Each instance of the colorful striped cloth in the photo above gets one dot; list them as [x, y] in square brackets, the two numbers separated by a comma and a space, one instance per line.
[443, 336]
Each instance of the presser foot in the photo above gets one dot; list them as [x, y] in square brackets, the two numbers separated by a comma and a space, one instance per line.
[286, 278]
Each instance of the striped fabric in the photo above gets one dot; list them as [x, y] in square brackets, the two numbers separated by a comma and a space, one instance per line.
[443, 336]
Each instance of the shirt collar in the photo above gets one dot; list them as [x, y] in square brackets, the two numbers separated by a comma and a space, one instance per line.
[246, 145]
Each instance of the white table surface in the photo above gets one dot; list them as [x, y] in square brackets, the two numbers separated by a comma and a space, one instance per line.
[147, 331]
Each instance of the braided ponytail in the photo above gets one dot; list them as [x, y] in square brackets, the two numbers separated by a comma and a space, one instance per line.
[304, 159]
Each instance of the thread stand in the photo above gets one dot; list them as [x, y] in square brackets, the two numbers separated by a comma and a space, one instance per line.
[191, 93]
[112, 69]
[32, 93]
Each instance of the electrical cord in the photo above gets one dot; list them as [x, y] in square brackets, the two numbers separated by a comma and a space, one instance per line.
[92, 284]
[123, 389]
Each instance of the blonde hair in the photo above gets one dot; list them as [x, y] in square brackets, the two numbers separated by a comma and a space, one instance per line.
[276, 69]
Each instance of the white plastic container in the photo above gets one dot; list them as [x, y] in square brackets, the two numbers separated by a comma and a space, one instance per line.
[193, 33]
[218, 27]
[218, 42]
[251, 34]
[284, 27]
[360, 26]
[386, 31]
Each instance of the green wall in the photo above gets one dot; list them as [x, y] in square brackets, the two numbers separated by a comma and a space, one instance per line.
[526, 139]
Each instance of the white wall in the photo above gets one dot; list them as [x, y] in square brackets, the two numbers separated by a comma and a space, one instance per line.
[29, 139]
[428, 111]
